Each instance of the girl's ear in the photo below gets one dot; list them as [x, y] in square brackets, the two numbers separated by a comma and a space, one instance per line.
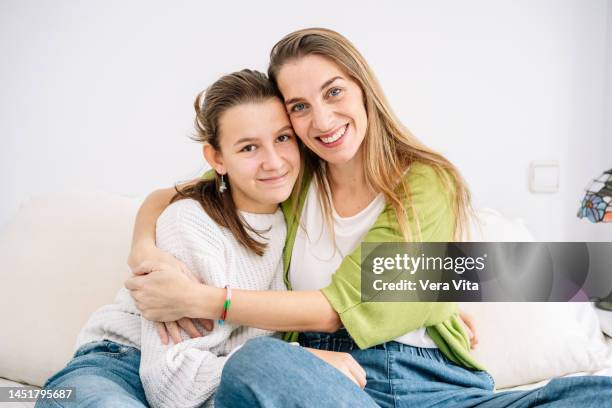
[214, 158]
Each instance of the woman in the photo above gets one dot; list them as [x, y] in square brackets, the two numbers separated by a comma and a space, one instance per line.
[229, 222]
[367, 179]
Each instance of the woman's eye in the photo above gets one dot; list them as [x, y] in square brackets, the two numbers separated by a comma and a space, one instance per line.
[334, 92]
[283, 138]
[298, 107]
[248, 148]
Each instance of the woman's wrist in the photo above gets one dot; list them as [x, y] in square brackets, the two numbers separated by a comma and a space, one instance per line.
[206, 302]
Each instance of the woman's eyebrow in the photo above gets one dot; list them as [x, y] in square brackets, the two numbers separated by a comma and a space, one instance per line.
[329, 82]
[325, 85]
[292, 100]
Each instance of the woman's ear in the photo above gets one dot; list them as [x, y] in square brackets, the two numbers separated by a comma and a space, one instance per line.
[214, 158]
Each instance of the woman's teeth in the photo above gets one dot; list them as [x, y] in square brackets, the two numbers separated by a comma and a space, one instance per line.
[339, 133]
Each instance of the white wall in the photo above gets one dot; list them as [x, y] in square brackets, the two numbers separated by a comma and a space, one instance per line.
[98, 94]
[606, 152]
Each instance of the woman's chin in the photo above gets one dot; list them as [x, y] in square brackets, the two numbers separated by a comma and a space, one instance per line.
[339, 158]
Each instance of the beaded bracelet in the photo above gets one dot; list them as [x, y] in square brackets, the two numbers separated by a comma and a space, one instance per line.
[226, 304]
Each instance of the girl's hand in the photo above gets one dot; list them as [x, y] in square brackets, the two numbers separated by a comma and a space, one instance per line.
[171, 330]
[343, 362]
[161, 292]
[470, 328]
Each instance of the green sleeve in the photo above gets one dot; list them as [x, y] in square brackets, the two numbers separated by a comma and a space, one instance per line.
[371, 323]
[208, 175]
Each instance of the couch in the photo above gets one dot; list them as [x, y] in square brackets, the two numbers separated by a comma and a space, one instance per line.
[63, 255]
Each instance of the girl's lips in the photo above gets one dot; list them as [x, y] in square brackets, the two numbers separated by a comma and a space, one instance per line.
[336, 142]
[274, 180]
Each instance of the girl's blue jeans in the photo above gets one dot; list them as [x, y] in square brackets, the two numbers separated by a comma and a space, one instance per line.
[102, 374]
[267, 372]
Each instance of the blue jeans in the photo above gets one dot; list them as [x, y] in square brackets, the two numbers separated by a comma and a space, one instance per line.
[267, 372]
[103, 374]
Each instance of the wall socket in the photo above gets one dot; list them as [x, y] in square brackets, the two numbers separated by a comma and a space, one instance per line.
[544, 176]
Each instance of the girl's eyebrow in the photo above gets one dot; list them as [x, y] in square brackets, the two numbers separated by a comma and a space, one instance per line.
[286, 127]
[245, 139]
[325, 85]
[255, 139]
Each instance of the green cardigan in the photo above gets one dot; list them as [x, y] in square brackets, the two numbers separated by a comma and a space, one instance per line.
[372, 323]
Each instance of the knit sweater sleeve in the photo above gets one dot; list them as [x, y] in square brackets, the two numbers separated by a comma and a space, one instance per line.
[187, 374]
[371, 323]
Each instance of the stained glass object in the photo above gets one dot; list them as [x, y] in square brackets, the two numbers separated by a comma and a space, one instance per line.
[597, 202]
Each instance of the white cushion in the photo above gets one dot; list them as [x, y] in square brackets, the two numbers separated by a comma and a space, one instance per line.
[62, 256]
[607, 370]
[490, 226]
[605, 319]
[522, 343]
[15, 403]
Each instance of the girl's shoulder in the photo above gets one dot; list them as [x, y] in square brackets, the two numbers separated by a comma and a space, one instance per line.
[188, 215]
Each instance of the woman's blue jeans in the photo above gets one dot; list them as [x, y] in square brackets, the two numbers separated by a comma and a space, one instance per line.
[102, 374]
[267, 372]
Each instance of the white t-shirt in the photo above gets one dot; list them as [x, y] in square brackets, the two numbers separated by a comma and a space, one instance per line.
[314, 258]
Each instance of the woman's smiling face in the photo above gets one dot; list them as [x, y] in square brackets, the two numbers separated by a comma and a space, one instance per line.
[325, 106]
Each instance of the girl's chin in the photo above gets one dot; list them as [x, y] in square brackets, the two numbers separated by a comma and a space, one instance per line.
[275, 197]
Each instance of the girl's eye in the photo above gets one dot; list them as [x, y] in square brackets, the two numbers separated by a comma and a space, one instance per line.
[334, 92]
[283, 138]
[248, 148]
[298, 107]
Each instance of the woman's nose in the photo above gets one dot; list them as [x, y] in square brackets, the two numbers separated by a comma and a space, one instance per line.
[322, 120]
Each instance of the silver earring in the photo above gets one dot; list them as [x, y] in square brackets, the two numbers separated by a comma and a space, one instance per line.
[222, 186]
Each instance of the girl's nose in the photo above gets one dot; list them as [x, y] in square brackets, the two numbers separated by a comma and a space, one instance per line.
[272, 159]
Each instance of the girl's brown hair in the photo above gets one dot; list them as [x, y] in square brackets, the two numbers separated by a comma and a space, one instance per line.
[231, 90]
[389, 148]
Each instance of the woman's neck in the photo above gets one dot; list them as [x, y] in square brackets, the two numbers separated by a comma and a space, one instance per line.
[349, 175]
[349, 189]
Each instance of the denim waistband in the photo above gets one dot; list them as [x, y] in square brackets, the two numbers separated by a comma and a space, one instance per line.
[104, 346]
[341, 341]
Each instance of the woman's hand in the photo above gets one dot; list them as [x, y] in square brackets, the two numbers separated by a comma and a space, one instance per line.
[143, 256]
[144, 252]
[161, 292]
[167, 330]
[343, 362]
[470, 328]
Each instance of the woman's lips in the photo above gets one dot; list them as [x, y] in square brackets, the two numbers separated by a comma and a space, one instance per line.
[335, 138]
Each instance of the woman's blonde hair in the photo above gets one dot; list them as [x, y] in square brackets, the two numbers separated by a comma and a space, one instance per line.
[389, 148]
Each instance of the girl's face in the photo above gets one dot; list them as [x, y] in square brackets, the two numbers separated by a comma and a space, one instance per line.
[258, 154]
[325, 106]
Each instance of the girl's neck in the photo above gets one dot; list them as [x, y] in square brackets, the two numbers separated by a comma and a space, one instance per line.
[248, 205]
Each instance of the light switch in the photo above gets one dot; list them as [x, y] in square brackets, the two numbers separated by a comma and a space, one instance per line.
[544, 177]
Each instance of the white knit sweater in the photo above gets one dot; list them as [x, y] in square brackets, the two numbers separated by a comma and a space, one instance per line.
[188, 373]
